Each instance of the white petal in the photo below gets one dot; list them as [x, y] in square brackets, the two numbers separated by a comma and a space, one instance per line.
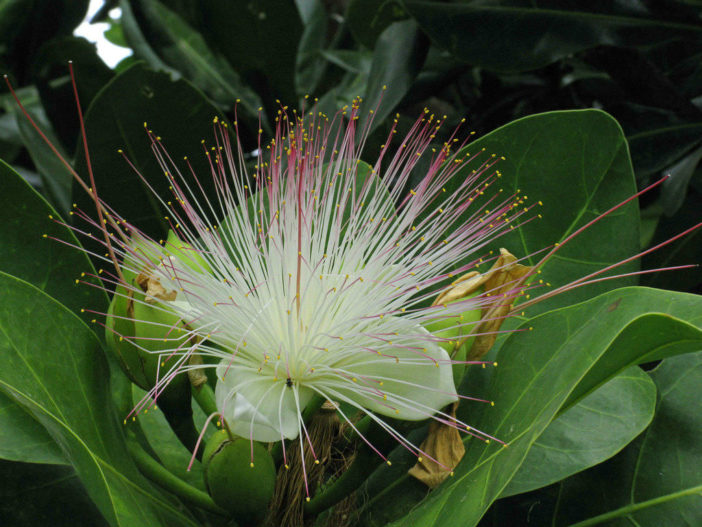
[415, 386]
[257, 406]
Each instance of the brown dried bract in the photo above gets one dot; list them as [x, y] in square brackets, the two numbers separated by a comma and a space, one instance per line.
[444, 444]
[153, 289]
[504, 276]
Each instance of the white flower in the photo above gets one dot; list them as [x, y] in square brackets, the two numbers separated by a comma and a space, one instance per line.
[317, 284]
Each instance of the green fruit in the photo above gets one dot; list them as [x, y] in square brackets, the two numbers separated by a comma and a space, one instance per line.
[214, 443]
[235, 484]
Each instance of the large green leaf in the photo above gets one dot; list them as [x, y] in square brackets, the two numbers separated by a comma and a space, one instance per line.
[185, 50]
[367, 19]
[23, 439]
[49, 265]
[519, 35]
[657, 480]
[577, 164]
[540, 374]
[54, 368]
[115, 120]
[51, 75]
[55, 177]
[31, 495]
[259, 39]
[590, 432]
[397, 60]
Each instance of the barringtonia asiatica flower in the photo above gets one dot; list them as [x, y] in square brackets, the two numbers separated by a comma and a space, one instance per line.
[314, 283]
[313, 276]
[315, 279]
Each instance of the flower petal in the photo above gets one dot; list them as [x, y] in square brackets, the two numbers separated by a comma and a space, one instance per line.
[256, 406]
[415, 383]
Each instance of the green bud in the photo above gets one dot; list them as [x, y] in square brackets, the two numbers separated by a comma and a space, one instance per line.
[457, 328]
[243, 488]
[185, 253]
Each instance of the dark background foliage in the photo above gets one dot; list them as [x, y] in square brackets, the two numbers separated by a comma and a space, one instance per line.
[490, 61]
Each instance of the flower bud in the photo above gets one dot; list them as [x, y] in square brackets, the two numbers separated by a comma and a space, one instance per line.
[140, 324]
[186, 253]
[236, 483]
[456, 328]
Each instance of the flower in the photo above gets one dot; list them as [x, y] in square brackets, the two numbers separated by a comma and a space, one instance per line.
[316, 282]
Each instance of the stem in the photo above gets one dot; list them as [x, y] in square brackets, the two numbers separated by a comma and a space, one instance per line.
[628, 509]
[363, 464]
[205, 398]
[153, 470]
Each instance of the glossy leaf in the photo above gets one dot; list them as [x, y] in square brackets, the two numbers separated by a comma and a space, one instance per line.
[259, 39]
[514, 35]
[656, 481]
[44, 346]
[576, 163]
[397, 60]
[47, 264]
[51, 266]
[32, 494]
[543, 371]
[367, 19]
[51, 76]
[590, 432]
[24, 439]
[185, 50]
[115, 120]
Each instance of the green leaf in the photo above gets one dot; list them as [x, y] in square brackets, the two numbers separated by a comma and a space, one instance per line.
[367, 19]
[259, 39]
[590, 432]
[577, 164]
[23, 439]
[51, 266]
[51, 76]
[32, 495]
[310, 64]
[540, 374]
[55, 177]
[47, 264]
[676, 138]
[655, 481]
[54, 368]
[514, 35]
[185, 50]
[397, 60]
[174, 110]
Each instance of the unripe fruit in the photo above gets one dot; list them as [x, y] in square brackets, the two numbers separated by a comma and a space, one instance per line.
[239, 486]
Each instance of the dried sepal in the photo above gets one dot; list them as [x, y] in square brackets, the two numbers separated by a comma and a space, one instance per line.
[443, 443]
